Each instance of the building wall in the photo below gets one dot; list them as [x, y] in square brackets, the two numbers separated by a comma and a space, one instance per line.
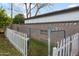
[39, 31]
[66, 16]
[62, 21]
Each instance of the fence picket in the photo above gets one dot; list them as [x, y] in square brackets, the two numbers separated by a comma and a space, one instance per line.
[58, 45]
[69, 46]
[63, 47]
[55, 51]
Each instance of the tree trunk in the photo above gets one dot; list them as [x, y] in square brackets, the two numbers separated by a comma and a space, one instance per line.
[26, 10]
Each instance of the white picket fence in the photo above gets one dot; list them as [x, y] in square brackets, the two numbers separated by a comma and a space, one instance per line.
[67, 47]
[18, 39]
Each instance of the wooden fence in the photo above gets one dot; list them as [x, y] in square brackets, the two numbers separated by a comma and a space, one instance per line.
[67, 47]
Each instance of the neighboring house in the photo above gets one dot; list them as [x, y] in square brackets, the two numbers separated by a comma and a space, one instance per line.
[67, 20]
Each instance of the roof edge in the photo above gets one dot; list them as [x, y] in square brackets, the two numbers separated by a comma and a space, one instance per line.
[54, 13]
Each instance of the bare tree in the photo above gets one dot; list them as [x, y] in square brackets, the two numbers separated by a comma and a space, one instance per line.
[32, 6]
[30, 9]
[26, 10]
[39, 6]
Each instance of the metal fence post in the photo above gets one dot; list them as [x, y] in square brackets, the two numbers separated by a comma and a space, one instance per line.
[78, 43]
[49, 32]
[25, 45]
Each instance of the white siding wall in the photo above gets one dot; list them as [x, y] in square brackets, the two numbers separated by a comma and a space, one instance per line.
[70, 16]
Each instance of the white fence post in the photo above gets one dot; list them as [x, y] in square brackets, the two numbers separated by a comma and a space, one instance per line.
[64, 47]
[69, 46]
[55, 51]
[58, 47]
[26, 40]
[61, 48]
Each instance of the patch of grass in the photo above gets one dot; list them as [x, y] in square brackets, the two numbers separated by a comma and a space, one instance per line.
[6, 48]
[38, 48]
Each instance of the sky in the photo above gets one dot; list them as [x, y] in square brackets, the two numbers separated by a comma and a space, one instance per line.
[20, 8]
